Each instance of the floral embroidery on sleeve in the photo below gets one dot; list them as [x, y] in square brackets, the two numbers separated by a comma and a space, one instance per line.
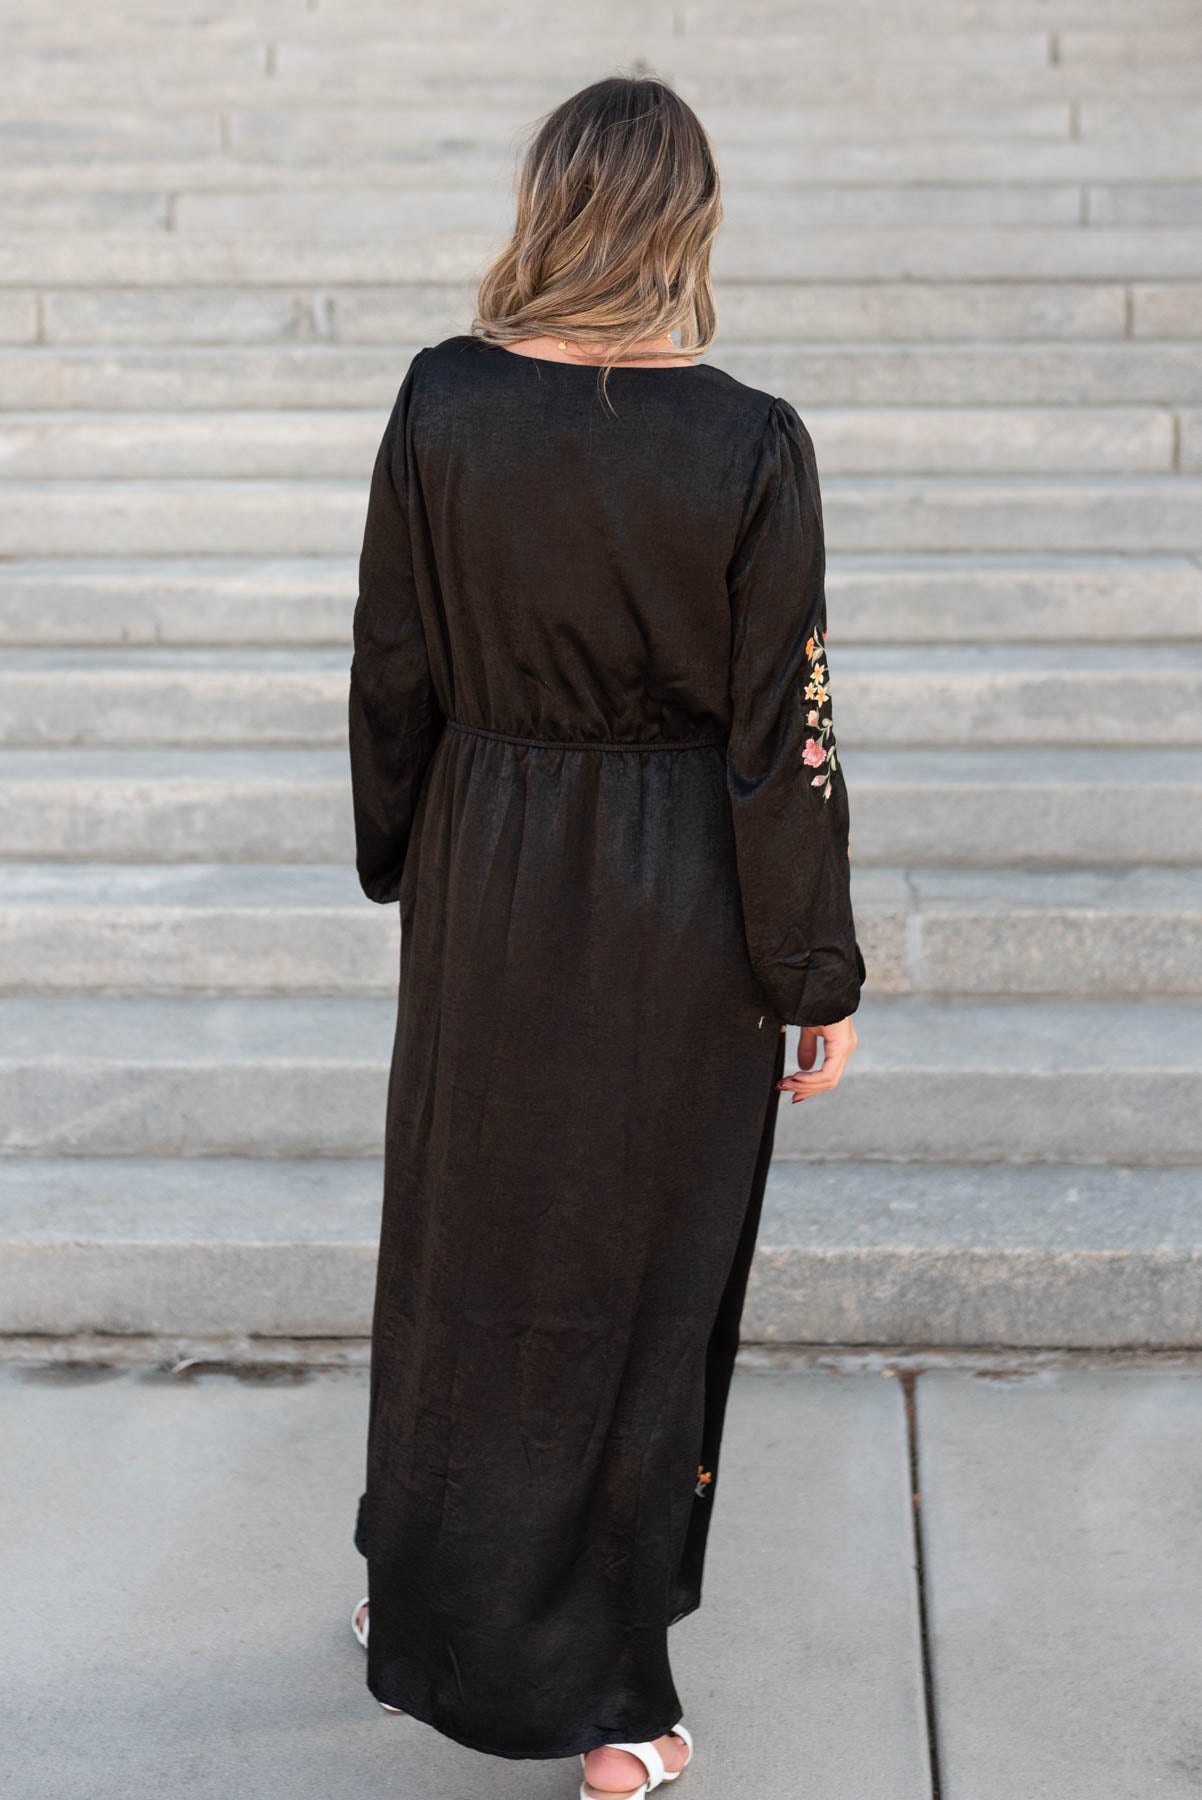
[819, 752]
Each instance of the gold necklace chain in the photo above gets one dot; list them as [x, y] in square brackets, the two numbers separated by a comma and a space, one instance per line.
[562, 343]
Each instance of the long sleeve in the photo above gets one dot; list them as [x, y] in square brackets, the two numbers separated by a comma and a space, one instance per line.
[787, 792]
[394, 713]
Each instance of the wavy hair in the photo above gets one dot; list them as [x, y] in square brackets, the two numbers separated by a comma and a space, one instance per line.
[618, 203]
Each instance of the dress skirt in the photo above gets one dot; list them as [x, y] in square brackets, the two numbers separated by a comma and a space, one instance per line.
[580, 1119]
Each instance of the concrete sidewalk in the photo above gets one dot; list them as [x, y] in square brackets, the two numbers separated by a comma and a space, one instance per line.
[179, 1575]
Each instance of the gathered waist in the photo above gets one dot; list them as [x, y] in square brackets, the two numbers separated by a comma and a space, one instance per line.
[627, 745]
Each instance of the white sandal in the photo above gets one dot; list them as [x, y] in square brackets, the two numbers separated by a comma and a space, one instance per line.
[360, 1632]
[651, 1760]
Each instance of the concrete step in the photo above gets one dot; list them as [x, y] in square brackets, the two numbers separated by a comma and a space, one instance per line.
[1010, 599]
[1052, 1256]
[1078, 933]
[323, 375]
[1046, 808]
[472, 198]
[991, 808]
[861, 440]
[192, 928]
[930, 514]
[1000, 253]
[292, 211]
[429, 20]
[473, 163]
[305, 135]
[178, 696]
[169, 806]
[718, 69]
[885, 311]
[887, 696]
[873, 599]
[935, 1081]
[848, 1253]
[282, 601]
[1084, 933]
[1019, 1081]
[1025, 696]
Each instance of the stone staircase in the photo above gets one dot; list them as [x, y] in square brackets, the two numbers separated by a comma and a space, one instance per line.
[965, 239]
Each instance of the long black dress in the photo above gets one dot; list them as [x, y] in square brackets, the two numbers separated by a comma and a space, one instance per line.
[593, 759]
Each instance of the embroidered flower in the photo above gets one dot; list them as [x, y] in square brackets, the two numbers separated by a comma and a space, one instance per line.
[704, 1478]
[819, 752]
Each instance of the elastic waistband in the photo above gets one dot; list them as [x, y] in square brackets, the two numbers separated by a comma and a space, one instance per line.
[543, 743]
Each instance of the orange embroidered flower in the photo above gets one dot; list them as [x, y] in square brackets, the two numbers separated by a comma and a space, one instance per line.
[704, 1477]
[819, 752]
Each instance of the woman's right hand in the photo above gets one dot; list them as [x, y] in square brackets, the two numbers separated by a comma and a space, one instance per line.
[838, 1043]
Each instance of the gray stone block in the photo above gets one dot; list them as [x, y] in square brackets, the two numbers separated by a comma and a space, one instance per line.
[1153, 42]
[961, 1081]
[406, 313]
[1136, 120]
[1065, 1256]
[965, 440]
[164, 1077]
[990, 599]
[920, 311]
[189, 445]
[844, 159]
[1045, 808]
[192, 929]
[1080, 932]
[93, 137]
[176, 805]
[82, 210]
[1078, 374]
[988, 695]
[1144, 203]
[124, 379]
[189, 518]
[176, 600]
[219, 315]
[18, 317]
[179, 696]
[1059, 1518]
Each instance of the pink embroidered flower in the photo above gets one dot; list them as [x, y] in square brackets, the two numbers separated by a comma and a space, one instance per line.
[819, 752]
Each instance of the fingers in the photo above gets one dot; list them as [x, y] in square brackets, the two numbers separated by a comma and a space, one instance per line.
[839, 1041]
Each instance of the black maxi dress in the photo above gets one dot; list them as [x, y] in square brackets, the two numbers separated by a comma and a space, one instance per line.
[593, 759]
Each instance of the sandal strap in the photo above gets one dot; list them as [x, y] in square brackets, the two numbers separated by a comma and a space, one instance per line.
[681, 1731]
[650, 1758]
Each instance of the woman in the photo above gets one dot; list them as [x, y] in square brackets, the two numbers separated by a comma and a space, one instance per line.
[593, 760]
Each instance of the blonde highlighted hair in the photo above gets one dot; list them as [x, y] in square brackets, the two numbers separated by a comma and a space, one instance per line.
[618, 202]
